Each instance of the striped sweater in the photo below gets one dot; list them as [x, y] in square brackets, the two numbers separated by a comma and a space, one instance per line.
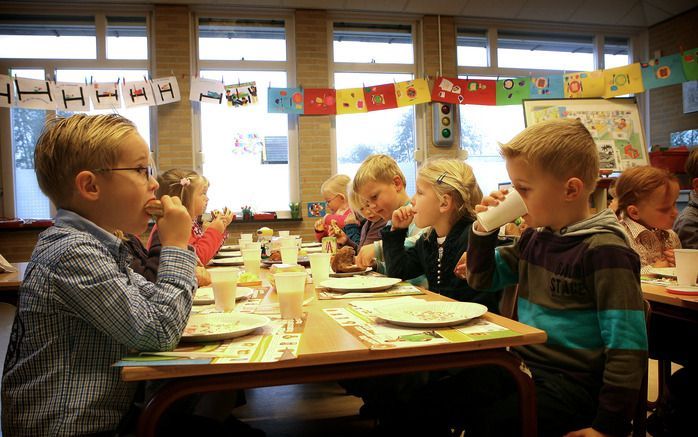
[581, 285]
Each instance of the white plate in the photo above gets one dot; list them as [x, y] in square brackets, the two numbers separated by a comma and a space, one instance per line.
[221, 326]
[230, 247]
[349, 274]
[204, 295]
[430, 314]
[687, 290]
[234, 261]
[227, 254]
[664, 271]
[312, 249]
[311, 244]
[360, 283]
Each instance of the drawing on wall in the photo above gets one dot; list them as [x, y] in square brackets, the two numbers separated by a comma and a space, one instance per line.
[72, 96]
[6, 91]
[380, 97]
[165, 90]
[412, 92]
[351, 101]
[584, 85]
[513, 91]
[35, 93]
[623, 80]
[285, 100]
[105, 95]
[241, 94]
[547, 87]
[665, 71]
[320, 101]
[138, 93]
[206, 90]
[613, 123]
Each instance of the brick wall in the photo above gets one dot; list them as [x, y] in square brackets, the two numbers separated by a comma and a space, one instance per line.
[666, 107]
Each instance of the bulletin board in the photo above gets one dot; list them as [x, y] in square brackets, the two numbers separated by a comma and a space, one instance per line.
[613, 123]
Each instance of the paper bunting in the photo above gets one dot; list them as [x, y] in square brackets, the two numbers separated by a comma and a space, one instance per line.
[165, 90]
[449, 90]
[241, 94]
[35, 93]
[480, 92]
[547, 87]
[72, 96]
[105, 95]
[137, 93]
[690, 64]
[6, 91]
[380, 97]
[583, 85]
[351, 101]
[285, 100]
[513, 91]
[319, 101]
[412, 92]
[665, 71]
[206, 91]
[623, 80]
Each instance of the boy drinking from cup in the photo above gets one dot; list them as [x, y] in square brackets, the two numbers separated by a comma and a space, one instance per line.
[81, 307]
[577, 279]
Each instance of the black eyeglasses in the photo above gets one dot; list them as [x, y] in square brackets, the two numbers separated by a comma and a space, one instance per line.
[148, 171]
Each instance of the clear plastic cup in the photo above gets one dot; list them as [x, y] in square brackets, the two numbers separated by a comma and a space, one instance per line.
[284, 233]
[289, 254]
[224, 283]
[290, 288]
[320, 267]
[251, 258]
[246, 237]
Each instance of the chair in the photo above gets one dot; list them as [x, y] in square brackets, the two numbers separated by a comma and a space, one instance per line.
[7, 318]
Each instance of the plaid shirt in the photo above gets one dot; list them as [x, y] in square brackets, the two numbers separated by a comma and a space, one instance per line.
[82, 308]
[649, 243]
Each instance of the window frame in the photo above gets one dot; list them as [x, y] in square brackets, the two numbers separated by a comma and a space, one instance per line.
[51, 66]
[289, 66]
[416, 69]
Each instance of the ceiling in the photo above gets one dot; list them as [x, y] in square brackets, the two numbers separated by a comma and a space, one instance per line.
[636, 13]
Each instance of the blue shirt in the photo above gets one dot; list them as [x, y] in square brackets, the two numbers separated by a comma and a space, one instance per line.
[82, 308]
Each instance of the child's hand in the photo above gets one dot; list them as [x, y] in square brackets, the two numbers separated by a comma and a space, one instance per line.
[402, 217]
[319, 225]
[586, 432]
[661, 263]
[669, 256]
[340, 235]
[203, 277]
[175, 224]
[222, 220]
[492, 200]
[461, 270]
[366, 256]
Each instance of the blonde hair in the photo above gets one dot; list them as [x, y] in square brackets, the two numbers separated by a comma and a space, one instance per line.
[692, 165]
[454, 177]
[69, 145]
[636, 184]
[337, 184]
[356, 202]
[377, 168]
[181, 183]
[561, 147]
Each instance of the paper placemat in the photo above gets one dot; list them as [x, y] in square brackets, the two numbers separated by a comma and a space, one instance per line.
[359, 320]
[663, 281]
[401, 289]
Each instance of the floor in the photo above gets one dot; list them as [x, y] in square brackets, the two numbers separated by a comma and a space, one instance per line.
[323, 409]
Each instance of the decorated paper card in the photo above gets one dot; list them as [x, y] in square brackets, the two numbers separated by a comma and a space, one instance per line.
[583, 85]
[665, 71]
[380, 97]
[35, 93]
[547, 87]
[412, 92]
[72, 96]
[285, 100]
[165, 90]
[513, 91]
[105, 95]
[480, 92]
[623, 80]
[7, 91]
[206, 90]
[351, 101]
[241, 94]
[319, 101]
[449, 90]
[137, 93]
[690, 64]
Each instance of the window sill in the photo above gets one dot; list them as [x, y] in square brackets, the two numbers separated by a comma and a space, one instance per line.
[24, 225]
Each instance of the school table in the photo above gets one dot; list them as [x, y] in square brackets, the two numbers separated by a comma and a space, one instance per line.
[10, 282]
[330, 353]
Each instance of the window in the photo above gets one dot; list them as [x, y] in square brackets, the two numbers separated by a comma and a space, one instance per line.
[684, 138]
[247, 153]
[31, 47]
[616, 52]
[391, 131]
[471, 47]
[546, 52]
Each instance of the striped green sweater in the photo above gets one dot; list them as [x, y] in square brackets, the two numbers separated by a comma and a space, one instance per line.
[582, 286]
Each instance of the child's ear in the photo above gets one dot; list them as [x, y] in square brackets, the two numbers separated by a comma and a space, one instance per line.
[694, 184]
[633, 212]
[446, 202]
[574, 188]
[397, 181]
[86, 185]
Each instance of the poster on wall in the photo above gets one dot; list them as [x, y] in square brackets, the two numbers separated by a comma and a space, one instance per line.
[412, 92]
[665, 71]
[613, 123]
[285, 100]
[241, 94]
[105, 95]
[72, 96]
[319, 101]
[690, 96]
[165, 90]
[35, 93]
[7, 89]
[138, 93]
[206, 91]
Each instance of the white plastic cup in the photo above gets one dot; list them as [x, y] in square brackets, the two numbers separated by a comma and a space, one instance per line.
[224, 282]
[686, 266]
[289, 254]
[287, 241]
[246, 237]
[251, 258]
[508, 210]
[284, 233]
[320, 267]
[290, 288]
